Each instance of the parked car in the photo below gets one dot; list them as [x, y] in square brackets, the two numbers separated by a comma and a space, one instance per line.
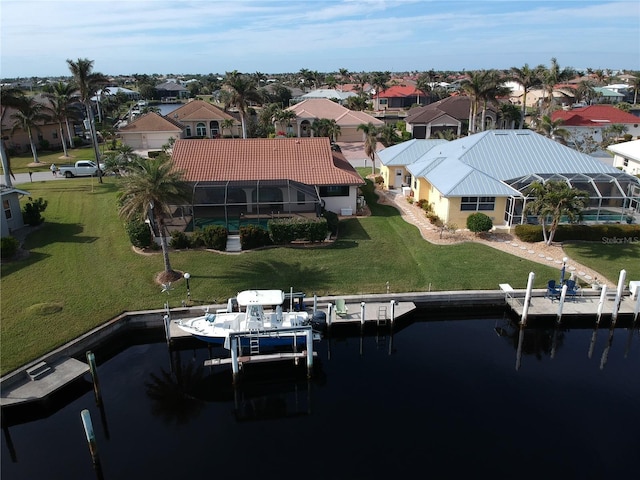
[82, 168]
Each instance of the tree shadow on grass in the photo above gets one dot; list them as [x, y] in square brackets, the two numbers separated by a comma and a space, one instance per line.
[26, 260]
[57, 233]
[273, 275]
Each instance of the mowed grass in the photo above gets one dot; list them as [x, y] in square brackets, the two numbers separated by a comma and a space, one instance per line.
[608, 258]
[24, 162]
[82, 271]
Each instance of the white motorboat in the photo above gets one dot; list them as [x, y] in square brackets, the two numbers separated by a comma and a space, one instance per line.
[260, 320]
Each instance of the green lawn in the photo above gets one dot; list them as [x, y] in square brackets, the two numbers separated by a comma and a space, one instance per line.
[22, 163]
[82, 271]
[608, 258]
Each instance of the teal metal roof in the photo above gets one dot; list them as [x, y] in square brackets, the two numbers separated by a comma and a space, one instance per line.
[483, 162]
[405, 153]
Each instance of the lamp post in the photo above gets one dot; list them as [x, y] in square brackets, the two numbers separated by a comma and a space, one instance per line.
[564, 266]
[187, 276]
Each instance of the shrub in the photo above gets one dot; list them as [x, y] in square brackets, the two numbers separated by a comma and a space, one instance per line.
[253, 236]
[589, 233]
[31, 213]
[8, 246]
[529, 233]
[433, 218]
[211, 236]
[286, 230]
[479, 222]
[179, 240]
[139, 233]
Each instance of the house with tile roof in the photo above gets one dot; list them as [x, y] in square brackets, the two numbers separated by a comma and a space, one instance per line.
[203, 120]
[451, 113]
[626, 156]
[150, 132]
[395, 159]
[491, 171]
[239, 181]
[47, 133]
[195, 119]
[591, 121]
[400, 97]
[313, 109]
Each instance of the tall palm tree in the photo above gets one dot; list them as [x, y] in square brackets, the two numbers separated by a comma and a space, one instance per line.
[29, 116]
[148, 191]
[478, 86]
[424, 83]
[370, 132]
[528, 78]
[379, 82]
[243, 90]
[550, 78]
[552, 201]
[63, 107]
[88, 83]
[9, 97]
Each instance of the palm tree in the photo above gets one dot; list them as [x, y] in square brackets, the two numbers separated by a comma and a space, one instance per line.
[379, 82]
[635, 85]
[510, 114]
[370, 132]
[358, 103]
[552, 128]
[243, 90]
[228, 123]
[585, 92]
[64, 106]
[550, 78]
[423, 84]
[389, 135]
[479, 86]
[553, 201]
[527, 78]
[121, 160]
[149, 190]
[282, 118]
[29, 116]
[88, 83]
[9, 97]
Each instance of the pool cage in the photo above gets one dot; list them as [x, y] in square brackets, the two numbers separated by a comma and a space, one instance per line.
[613, 197]
[234, 204]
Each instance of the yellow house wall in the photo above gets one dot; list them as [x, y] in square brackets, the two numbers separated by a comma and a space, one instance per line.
[448, 209]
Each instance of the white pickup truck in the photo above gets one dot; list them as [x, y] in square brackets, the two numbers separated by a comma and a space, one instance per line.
[82, 168]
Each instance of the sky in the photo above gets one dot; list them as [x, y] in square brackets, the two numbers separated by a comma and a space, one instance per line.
[125, 37]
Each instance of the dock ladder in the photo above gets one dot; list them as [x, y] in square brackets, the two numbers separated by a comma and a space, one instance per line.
[382, 316]
[254, 342]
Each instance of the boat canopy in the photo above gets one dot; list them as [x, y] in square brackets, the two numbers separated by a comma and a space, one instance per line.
[260, 297]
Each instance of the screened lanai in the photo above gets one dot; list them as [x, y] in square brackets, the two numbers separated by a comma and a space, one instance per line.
[233, 204]
[613, 197]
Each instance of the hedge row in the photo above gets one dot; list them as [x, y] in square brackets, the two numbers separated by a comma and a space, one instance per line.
[590, 233]
[286, 230]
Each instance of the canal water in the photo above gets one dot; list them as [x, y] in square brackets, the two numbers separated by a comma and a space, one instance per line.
[455, 398]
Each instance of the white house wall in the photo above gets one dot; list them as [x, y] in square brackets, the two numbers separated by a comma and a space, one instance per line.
[338, 204]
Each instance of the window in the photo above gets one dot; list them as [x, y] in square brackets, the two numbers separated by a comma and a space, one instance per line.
[201, 130]
[7, 209]
[334, 191]
[187, 132]
[54, 135]
[477, 203]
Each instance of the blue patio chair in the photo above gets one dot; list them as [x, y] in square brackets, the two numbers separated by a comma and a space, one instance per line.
[552, 290]
[572, 289]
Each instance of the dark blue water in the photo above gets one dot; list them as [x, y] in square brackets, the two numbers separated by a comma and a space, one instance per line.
[438, 399]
